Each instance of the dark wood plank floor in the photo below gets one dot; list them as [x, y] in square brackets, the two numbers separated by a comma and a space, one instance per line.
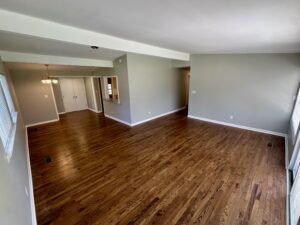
[172, 170]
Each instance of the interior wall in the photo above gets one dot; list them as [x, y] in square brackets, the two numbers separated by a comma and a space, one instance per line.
[256, 89]
[90, 93]
[36, 100]
[120, 111]
[155, 86]
[15, 205]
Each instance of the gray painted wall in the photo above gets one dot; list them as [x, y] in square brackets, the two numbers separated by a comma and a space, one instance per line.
[34, 104]
[180, 64]
[14, 203]
[155, 86]
[257, 89]
[104, 71]
[89, 92]
[120, 111]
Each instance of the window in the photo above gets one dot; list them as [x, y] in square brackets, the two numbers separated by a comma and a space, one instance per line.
[111, 89]
[8, 117]
[295, 120]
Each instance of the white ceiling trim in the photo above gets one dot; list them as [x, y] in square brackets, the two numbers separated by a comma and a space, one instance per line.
[22, 24]
[47, 59]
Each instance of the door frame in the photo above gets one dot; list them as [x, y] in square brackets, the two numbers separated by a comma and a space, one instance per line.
[100, 90]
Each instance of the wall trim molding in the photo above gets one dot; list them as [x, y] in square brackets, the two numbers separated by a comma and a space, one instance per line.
[238, 126]
[146, 120]
[31, 194]
[41, 123]
[95, 111]
[62, 113]
[116, 119]
[156, 117]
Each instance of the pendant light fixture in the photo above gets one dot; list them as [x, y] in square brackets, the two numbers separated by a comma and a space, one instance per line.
[48, 80]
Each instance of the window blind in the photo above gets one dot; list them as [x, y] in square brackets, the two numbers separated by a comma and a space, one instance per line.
[7, 95]
[6, 123]
[295, 121]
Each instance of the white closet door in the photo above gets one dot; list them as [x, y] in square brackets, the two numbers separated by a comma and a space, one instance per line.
[68, 94]
[80, 93]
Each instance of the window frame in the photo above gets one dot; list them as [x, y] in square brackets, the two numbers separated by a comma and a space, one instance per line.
[295, 116]
[10, 107]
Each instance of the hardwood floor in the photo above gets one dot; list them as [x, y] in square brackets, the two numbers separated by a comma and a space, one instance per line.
[88, 169]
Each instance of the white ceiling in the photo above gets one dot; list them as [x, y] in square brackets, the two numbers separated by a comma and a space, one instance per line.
[194, 26]
[34, 66]
[30, 44]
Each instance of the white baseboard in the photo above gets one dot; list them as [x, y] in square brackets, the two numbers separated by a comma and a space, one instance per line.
[95, 111]
[238, 126]
[118, 120]
[156, 117]
[31, 194]
[61, 113]
[40, 123]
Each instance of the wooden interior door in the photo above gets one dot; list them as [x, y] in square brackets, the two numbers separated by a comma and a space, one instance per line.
[68, 94]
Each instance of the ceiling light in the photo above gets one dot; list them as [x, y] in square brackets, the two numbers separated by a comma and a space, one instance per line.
[54, 81]
[48, 80]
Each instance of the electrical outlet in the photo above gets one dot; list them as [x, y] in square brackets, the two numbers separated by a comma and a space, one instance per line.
[194, 91]
[231, 117]
[149, 112]
[46, 96]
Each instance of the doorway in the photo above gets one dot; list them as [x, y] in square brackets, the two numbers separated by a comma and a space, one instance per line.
[73, 94]
[98, 93]
[185, 73]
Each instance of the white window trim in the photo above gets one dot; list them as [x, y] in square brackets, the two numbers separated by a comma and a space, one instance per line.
[8, 146]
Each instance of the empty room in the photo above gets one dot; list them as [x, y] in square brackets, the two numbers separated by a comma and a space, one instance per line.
[149, 112]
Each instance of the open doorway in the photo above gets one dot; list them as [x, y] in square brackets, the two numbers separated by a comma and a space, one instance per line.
[98, 93]
[185, 72]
